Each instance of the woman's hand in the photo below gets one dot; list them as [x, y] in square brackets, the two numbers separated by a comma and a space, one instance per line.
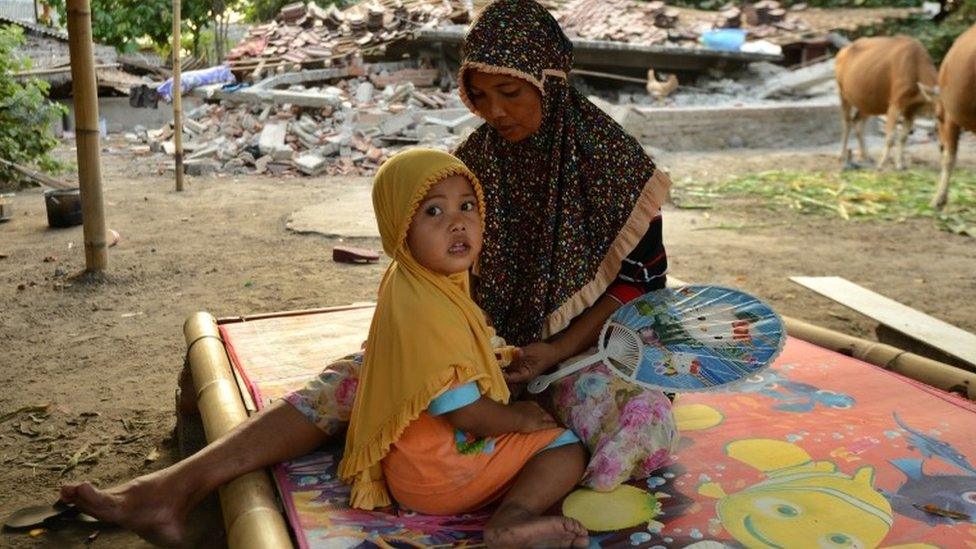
[532, 417]
[530, 361]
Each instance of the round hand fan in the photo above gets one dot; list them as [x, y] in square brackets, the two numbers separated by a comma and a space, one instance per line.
[694, 338]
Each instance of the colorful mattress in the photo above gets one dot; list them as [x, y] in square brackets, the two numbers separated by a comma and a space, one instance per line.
[822, 450]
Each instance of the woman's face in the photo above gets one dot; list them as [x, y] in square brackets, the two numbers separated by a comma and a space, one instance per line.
[510, 105]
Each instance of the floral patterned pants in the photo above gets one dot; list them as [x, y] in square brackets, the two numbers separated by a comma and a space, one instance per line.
[629, 431]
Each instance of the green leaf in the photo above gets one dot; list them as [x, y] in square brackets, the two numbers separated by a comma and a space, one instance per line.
[26, 115]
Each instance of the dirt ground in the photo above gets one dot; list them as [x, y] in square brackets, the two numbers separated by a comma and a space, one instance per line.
[106, 355]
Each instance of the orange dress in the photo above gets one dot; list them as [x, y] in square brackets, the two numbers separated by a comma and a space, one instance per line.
[436, 469]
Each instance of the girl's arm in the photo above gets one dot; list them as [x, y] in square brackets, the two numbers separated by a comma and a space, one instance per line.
[485, 417]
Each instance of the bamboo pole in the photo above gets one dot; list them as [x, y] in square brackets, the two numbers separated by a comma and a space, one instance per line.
[177, 92]
[611, 76]
[85, 92]
[930, 372]
[251, 516]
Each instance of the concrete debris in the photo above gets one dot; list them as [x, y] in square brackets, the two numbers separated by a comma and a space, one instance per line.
[617, 20]
[351, 130]
[364, 92]
[802, 82]
[312, 37]
[261, 164]
[205, 152]
[759, 83]
[767, 12]
[200, 167]
[421, 78]
[398, 93]
[397, 124]
[655, 22]
[311, 164]
[193, 127]
[282, 152]
[272, 137]
[460, 125]
[431, 132]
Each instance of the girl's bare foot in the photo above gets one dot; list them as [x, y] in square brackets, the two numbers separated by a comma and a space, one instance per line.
[517, 528]
[146, 506]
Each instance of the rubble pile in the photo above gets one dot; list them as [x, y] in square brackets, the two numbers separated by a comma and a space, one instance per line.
[353, 137]
[620, 21]
[655, 22]
[762, 18]
[308, 36]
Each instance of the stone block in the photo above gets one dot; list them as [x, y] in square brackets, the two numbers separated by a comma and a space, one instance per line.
[261, 164]
[272, 137]
[456, 125]
[396, 124]
[206, 152]
[311, 164]
[364, 92]
[201, 167]
[234, 164]
[432, 132]
[194, 127]
[283, 152]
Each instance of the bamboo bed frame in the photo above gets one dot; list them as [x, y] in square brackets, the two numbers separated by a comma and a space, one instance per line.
[252, 515]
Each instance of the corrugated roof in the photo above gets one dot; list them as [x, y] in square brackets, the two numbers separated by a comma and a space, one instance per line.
[35, 29]
[18, 9]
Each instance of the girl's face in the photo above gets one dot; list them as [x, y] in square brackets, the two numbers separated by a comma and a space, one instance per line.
[510, 105]
[445, 234]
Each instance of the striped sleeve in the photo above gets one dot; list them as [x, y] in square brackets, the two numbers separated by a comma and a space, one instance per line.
[644, 269]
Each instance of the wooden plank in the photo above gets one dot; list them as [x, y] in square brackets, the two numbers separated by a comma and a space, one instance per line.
[915, 324]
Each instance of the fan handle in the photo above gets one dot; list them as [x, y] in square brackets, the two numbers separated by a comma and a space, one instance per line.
[541, 383]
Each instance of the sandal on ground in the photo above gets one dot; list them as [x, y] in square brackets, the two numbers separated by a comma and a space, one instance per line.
[37, 516]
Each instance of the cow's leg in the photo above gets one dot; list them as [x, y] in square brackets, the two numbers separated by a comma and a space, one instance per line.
[906, 129]
[859, 121]
[949, 133]
[891, 125]
[845, 116]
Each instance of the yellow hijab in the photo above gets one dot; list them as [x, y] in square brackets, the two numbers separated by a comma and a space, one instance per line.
[427, 333]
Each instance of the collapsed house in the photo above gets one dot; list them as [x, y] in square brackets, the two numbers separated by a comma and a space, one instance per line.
[335, 91]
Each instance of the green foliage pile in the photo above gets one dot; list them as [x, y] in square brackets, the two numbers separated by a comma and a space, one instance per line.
[865, 195]
[26, 115]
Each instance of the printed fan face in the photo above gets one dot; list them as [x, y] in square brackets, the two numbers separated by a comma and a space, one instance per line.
[699, 338]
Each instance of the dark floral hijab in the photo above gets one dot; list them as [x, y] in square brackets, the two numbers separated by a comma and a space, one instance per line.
[565, 205]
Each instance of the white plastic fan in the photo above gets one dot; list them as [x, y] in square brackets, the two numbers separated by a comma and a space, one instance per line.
[617, 343]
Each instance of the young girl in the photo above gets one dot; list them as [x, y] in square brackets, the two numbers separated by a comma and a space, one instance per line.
[431, 423]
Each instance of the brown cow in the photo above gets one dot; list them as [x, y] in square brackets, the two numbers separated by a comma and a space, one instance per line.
[881, 75]
[955, 105]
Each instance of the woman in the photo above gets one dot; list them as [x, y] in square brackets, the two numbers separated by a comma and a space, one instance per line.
[570, 195]
[573, 231]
